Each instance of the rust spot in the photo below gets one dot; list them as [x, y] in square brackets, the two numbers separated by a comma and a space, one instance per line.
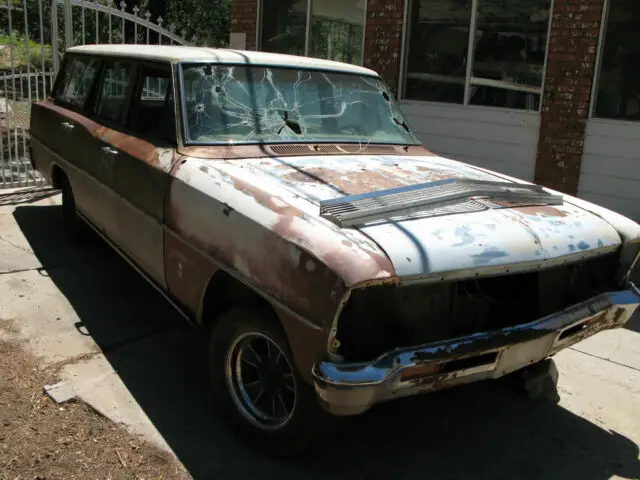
[616, 316]
[271, 202]
[408, 260]
[363, 180]
[347, 243]
[532, 210]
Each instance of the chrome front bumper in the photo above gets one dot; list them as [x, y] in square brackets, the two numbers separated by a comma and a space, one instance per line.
[350, 389]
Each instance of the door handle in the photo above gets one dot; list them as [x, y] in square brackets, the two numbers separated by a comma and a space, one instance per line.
[109, 150]
[68, 125]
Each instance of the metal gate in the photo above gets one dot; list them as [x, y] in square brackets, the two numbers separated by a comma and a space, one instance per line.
[33, 36]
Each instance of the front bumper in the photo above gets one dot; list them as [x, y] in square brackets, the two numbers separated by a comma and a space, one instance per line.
[350, 389]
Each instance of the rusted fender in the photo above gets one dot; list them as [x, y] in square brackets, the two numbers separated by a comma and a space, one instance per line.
[299, 261]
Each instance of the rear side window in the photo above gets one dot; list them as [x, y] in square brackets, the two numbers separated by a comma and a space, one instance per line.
[113, 91]
[153, 109]
[77, 79]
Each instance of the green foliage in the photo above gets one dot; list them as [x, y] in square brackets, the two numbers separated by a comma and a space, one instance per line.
[206, 22]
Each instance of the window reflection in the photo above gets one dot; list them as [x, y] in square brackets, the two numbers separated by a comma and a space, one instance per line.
[337, 30]
[509, 52]
[619, 81]
[283, 26]
[436, 63]
[510, 45]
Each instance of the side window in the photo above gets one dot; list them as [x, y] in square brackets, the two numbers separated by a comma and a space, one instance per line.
[114, 87]
[77, 78]
[153, 109]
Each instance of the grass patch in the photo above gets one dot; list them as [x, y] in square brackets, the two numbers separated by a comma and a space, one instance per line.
[19, 46]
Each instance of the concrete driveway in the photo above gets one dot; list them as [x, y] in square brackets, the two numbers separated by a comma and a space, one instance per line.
[130, 356]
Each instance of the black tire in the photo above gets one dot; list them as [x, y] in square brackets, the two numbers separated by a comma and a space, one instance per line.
[307, 426]
[75, 226]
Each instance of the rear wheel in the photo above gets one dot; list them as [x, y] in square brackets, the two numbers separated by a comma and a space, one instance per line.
[258, 388]
[75, 226]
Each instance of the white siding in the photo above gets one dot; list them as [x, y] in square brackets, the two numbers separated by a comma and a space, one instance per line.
[610, 172]
[502, 140]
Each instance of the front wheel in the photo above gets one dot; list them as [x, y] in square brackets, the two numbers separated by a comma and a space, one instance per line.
[258, 388]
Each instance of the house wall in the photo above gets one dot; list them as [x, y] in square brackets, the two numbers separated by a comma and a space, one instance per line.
[571, 63]
[610, 174]
[497, 139]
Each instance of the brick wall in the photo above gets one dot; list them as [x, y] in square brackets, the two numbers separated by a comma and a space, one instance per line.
[383, 39]
[571, 62]
[244, 19]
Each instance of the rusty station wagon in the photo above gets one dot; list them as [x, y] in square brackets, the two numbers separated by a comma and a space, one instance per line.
[285, 204]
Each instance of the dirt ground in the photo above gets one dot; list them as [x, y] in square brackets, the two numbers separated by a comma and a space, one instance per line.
[45, 441]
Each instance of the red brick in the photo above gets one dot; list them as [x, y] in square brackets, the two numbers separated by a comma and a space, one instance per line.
[567, 92]
[245, 20]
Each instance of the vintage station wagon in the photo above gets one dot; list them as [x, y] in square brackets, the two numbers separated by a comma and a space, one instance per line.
[284, 204]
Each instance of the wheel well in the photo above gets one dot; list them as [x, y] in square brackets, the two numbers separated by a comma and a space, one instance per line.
[223, 292]
[57, 176]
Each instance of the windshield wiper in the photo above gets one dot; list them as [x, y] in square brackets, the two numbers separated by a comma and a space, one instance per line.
[292, 124]
[403, 124]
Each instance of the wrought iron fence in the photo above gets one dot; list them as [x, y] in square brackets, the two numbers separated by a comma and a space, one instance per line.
[33, 36]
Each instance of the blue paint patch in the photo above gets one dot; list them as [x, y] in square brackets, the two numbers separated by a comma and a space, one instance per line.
[465, 235]
[600, 244]
[572, 247]
[555, 247]
[583, 245]
[578, 224]
[488, 255]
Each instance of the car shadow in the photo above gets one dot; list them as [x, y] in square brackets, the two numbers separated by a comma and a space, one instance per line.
[478, 431]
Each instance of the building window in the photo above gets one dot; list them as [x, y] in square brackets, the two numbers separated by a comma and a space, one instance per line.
[284, 26]
[509, 47]
[618, 94]
[336, 28]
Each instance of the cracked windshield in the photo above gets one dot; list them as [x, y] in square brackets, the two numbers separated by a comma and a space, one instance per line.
[237, 104]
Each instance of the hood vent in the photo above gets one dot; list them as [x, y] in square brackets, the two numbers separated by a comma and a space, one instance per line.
[335, 149]
[430, 199]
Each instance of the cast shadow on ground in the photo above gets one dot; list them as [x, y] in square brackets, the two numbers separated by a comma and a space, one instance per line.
[480, 431]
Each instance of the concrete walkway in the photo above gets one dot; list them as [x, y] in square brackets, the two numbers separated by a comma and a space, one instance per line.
[131, 357]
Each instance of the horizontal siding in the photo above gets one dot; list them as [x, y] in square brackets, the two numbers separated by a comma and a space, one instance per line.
[502, 140]
[610, 170]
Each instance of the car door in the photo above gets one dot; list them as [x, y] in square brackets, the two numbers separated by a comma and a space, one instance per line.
[135, 103]
[64, 134]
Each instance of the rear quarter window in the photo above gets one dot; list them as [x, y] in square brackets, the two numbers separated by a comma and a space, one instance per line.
[77, 79]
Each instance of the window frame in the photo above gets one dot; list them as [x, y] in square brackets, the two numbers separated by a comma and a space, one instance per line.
[66, 63]
[469, 80]
[142, 68]
[602, 39]
[307, 29]
[182, 108]
[93, 105]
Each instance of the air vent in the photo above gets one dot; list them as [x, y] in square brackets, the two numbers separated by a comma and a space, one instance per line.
[439, 197]
[300, 149]
[370, 149]
[329, 148]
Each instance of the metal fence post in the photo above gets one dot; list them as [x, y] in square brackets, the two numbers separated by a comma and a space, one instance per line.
[55, 53]
[68, 24]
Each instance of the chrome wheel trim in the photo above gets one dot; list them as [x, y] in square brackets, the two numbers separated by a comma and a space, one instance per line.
[261, 381]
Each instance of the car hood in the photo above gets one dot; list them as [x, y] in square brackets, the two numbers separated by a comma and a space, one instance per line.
[437, 245]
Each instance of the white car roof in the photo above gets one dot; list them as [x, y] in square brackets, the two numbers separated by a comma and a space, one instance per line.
[174, 53]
